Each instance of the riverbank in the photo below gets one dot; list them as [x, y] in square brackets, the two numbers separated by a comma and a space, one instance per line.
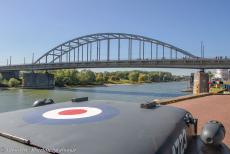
[9, 88]
[109, 84]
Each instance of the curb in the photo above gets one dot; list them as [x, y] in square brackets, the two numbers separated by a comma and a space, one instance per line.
[181, 98]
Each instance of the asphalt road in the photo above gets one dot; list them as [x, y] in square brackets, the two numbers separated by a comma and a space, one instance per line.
[216, 107]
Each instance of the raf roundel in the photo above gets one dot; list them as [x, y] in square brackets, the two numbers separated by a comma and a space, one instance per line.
[70, 114]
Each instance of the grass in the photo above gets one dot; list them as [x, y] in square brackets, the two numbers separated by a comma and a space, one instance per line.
[215, 90]
[122, 82]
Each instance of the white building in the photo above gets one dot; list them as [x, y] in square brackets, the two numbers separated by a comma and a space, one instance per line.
[222, 74]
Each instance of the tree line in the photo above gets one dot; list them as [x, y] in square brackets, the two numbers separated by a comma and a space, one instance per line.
[88, 77]
[12, 82]
[72, 77]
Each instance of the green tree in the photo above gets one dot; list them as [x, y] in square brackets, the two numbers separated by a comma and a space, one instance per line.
[99, 78]
[72, 76]
[106, 76]
[86, 77]
[210, 74]
[154, 77]
[122, 75]
[66, 77]
[143, 77]
[1, 78]
[114, 78]
[59, 78]
[166, 76]
[14, 82]
[133, 76]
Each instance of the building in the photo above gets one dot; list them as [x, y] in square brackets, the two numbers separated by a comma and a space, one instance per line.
[222, 74]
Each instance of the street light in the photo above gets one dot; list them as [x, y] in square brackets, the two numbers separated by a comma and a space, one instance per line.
[202, 49]
[33, 58]
[10, 60]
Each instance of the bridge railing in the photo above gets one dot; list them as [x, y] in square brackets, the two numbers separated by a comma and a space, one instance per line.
[160, 63]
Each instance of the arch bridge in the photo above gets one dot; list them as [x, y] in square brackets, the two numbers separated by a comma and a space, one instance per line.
[112, 46]
[109, 50]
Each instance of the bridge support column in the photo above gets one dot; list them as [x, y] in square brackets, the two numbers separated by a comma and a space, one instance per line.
[200, 82]
[10, 74]
[191, 81]
[38, 81]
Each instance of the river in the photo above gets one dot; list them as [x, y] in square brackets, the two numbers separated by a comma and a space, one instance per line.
[15, 99]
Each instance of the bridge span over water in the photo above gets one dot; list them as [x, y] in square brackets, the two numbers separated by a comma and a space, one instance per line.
[110, 50]
[179, 63]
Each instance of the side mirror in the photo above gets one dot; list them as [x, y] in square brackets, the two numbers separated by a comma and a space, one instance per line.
[213, 133]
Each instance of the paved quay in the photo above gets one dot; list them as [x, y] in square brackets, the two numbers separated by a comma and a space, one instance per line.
[215, 107]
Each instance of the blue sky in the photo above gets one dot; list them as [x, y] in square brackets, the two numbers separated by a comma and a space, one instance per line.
[28, 26]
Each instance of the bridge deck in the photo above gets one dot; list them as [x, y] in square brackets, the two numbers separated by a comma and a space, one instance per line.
[161, 63]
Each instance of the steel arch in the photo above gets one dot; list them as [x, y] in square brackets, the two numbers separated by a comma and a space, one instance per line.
[66, 47]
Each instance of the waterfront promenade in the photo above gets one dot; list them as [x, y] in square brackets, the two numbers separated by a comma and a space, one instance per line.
[214, 107]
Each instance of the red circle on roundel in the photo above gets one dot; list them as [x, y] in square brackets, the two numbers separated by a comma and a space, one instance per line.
[72, 112]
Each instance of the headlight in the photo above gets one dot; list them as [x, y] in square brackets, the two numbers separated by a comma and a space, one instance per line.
[213, 133]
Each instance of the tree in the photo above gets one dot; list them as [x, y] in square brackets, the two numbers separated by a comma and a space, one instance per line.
[99, 78]
[86, 77]
[1, 78]
[133, 76]
[122, 75]
[59, 78]
[106, 76]
[72, 76]
[143, 77]
[166, 76]
[14, 82]
[210, 74]
[66, 77]
[153, 77]
[114, 78]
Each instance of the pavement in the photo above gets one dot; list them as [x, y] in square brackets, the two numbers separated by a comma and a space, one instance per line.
[215, 107]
